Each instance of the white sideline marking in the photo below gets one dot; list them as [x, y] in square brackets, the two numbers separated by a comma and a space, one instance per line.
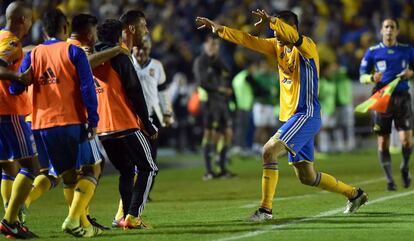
[320, 215]
[254, 205]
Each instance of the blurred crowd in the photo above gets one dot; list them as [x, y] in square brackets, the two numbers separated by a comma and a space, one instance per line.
[342, 29]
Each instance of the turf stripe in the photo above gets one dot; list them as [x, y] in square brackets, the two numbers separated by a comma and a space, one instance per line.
[320, 215]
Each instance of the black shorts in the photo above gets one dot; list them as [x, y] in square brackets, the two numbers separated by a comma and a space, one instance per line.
[399, 111]
[216, 116]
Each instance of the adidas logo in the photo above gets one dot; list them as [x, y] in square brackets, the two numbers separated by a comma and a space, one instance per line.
[48, 78]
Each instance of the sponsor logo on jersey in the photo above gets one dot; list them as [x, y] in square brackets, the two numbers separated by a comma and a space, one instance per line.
[48, 77]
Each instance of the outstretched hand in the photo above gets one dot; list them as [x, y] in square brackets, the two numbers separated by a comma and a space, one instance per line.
[263, 15]
[203, 22]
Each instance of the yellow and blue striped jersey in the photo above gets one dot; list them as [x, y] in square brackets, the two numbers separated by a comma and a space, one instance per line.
[11, 53]
[298, 67]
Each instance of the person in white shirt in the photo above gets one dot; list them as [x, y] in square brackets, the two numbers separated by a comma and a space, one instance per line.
[153, 81]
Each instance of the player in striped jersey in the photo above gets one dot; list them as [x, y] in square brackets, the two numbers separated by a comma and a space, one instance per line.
[84, 36]
[15, 143]
[298, 64]
[61, 74]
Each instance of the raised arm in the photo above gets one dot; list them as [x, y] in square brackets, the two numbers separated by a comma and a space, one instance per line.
[287, 34]
[261, 45]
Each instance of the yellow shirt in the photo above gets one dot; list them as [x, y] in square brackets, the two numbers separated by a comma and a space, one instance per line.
[298, 67]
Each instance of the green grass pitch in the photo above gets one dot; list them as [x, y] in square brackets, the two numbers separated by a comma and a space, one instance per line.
[187, 208]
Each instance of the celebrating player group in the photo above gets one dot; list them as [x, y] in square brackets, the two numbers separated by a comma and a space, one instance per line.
[90, 94]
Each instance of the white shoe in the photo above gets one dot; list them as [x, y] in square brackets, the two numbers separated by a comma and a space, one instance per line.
[261, 215]
[355, 203]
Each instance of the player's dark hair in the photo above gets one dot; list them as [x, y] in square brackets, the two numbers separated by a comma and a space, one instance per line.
[392, 19]
[131, 17]
[83, 22]
[110, 31]
[53, 22]
[289, 17]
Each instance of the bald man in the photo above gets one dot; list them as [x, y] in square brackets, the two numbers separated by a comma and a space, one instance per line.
[15, 143]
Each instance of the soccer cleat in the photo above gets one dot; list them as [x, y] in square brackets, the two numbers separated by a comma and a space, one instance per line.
[356, 202]
[209, 176]
[72, 227]
[226, 175]
[118, 223]
[96, 224]
[132, 222]
[391, 187]
[261, 215]
[406, 178]
[15, 231]
[91, 231]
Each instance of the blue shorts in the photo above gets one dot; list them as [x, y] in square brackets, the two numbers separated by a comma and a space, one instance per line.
[91, 153]
[43, 157]
[15, 143]
[67, 147]
[298, 135]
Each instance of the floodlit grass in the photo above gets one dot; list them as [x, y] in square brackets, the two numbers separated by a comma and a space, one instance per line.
[187, 208]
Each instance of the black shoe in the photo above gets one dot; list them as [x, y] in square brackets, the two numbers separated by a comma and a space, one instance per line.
[227, 174]
[391, 187]
[15, 230]
[406, 178]
[96, 224]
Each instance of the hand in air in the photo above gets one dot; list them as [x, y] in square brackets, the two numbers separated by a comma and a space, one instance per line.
[263, 15]
[203, 22]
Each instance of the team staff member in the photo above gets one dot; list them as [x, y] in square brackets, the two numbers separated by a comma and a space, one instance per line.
[298, 64]
[381, 64]
[125, 127]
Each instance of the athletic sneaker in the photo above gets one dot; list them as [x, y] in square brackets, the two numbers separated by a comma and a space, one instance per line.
[391, 187]
[118, 223]
[91, 231]
[406, 178]
[260, 215]
[72, 227]
[356, 202]
[226, 175]
[15, 230]
[96, 224]
[132, 222]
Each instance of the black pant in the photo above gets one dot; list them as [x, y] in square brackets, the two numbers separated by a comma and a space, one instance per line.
[129, 154]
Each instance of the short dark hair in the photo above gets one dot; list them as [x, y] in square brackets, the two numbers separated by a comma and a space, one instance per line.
[110, 31]
[53, 21]
[131, 17]
[289, 17]
[392, 19]
[82, 22]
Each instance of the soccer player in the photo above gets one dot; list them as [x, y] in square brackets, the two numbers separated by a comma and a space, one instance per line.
[125, 127]
[298, 63]
[210, 72]
[61, 74]
[15, 143]
[84, 36]
[381, 64]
